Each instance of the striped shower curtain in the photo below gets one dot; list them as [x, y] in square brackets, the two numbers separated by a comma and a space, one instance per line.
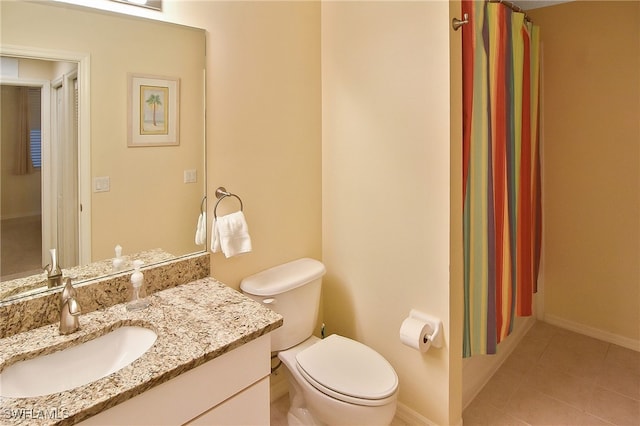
[501, 172]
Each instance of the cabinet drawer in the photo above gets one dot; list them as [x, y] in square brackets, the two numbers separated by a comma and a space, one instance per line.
[194, 392]
[249, 407]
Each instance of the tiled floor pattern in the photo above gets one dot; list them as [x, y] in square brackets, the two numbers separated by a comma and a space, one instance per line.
[553, 378]
[279, 411]
[20, 247]
[557, 377]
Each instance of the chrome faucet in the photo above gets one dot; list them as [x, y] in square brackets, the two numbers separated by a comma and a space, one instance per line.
[69, 309]
[54, 273]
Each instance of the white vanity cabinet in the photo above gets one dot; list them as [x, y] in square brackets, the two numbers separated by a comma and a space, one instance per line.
[232, 389]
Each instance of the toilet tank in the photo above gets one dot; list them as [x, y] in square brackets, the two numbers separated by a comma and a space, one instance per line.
[292, 290]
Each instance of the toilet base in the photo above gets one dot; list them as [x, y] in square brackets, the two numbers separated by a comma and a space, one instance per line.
[310, 407]
[299, 414]
[300, 417]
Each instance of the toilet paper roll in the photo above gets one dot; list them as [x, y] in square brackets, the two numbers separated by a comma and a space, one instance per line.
[414, 332]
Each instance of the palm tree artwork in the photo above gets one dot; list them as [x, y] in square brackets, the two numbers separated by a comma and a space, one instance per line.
[154, 102]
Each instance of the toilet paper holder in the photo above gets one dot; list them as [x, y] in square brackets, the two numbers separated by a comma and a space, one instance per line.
[435, 323]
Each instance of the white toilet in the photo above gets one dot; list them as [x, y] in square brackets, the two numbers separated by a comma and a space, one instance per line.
[333, 381]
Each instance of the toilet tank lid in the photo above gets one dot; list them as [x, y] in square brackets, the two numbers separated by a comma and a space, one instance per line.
[283, 277]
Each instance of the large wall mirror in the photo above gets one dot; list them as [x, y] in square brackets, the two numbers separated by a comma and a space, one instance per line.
[81, 172]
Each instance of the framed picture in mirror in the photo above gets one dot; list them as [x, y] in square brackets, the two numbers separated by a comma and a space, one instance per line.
[153, 110]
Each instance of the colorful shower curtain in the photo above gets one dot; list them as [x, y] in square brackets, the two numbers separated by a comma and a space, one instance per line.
[501, 172]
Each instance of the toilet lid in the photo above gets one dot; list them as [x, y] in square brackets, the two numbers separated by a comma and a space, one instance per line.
[342, 367]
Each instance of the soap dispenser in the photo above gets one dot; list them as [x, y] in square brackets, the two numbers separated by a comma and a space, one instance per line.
[138, 293]
[118, 261]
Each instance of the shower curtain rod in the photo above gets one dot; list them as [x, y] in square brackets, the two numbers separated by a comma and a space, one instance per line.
[457, 23]
[513, 7]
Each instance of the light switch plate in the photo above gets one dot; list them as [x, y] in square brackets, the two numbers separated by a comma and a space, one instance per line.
[190, 176]
[101, 184]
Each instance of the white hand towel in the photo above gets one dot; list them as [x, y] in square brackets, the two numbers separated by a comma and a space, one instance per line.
[203, 229]
[231, 235]
[215, 238]
[199, 230]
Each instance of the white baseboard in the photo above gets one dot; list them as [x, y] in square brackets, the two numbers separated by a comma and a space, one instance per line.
[412, 417]
[478, 370]
[593, 332]
[28, 216]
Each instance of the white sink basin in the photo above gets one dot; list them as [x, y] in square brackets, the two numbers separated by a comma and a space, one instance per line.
[76, 365]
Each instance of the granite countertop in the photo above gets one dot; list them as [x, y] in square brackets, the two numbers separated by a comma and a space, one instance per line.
[38, 281]
[195, 323]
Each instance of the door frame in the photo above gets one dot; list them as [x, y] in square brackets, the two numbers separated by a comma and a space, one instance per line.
[84, 135]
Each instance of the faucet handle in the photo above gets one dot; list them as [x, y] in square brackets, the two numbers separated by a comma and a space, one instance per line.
[53, 269]
[74, 306]
[69, 313]
[68, 292]
[69, 308]
[54, 273]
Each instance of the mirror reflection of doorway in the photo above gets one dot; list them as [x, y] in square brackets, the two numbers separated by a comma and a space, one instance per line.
[39, 166]
[21, 229]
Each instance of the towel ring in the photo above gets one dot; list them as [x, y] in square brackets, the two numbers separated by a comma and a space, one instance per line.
[221, 194]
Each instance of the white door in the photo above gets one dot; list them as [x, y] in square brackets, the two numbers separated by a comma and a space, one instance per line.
[65, 169]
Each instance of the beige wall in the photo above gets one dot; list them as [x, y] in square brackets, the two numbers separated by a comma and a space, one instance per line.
[591, 167]
[386, 188]
[264, 127]
[148, 205]
[263, 124]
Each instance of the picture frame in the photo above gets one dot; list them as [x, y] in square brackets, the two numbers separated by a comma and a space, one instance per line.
[153, 110]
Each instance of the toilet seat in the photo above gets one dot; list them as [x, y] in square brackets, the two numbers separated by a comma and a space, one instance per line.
[348, 371]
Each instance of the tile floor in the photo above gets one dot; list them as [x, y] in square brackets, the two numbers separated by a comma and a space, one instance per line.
[553, 377]
[557, 377]
[279, 410]
[20, 247]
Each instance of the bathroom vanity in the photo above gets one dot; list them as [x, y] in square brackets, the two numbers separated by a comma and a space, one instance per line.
[210, 361]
